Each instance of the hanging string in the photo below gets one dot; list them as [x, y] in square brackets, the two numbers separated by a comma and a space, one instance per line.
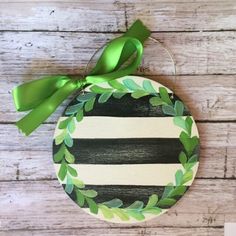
[167, 50]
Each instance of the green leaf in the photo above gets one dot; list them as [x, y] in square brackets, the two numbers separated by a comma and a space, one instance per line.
[74, 108]
[100, 90]
[69, 185]
[184, 124]
[63, 124]
[72, 171]
[107, 213]
[118, 95]
[71, 126]
[120, 213]
[136, 205]
[60, 138]
[62, 171]
[69, 157]
[60, 154]
[168, 110]
[189, 166]
[147, 85]
[68, 140]
[189, 143]
[165, 96]
[156, 101]
[187, 176]
[178, 177]
[188, 124]
[179, 108]
[168, 188]
[178, 191]
[78, 183]
[138, 94]
[104, 97]
[114, 203]
[166, 202]
[80, 115]
[152, 210]
[136, 214]
[79, 198]
[179, 121]
[85, 97]
[117, 85]
[92, 205]
[182, 158]
[152, 201]
[131, 85]
[89, 193]
[193, 158]
[89, 105]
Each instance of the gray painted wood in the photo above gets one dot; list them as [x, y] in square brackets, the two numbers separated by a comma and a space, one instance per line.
[195, 52]
[28, 185]
[208, 97]
[38, 209]
[164, 231]
[111, 15]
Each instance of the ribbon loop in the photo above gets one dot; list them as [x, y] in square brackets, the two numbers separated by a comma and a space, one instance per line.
[43, 96]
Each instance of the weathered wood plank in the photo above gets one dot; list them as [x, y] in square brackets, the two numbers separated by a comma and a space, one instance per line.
[183, 15]
[44, 205]
[208, 97]
[110, 16]
[160, 231]
[105, 16]
[28, 158]
[230, 163]
[38, 165]
[67, 53]
[212, 135]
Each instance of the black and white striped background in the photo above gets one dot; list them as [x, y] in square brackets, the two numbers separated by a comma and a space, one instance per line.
[127, 149]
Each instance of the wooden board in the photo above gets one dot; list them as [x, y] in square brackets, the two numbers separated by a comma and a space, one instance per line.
[208, 97]
[22, 156]
[42, 37]
[113, 15]
[217, 198]
[164, 231]
[195, 53]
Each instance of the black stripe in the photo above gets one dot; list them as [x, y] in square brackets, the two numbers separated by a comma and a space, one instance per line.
[125, 151]
[128, 194]
[127, 107]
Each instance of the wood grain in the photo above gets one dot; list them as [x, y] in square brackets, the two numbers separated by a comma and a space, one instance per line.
[203, 205]
[208, 97]
[212, 135]
[38, 165]
[183, 15]
[30, 158]
[62, 16]
[68, 53]
[160, 231]
[42, 37]
[108, 16]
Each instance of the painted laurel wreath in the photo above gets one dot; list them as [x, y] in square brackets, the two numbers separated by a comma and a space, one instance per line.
[137, 210]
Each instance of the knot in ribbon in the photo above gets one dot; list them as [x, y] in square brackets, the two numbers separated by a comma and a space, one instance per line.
[44, 95]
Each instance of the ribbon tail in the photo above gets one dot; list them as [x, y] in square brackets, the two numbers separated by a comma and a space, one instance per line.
[39, 114]
[29, 95]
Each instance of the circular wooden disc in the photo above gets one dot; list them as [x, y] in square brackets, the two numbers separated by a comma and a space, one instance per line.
[126, 151]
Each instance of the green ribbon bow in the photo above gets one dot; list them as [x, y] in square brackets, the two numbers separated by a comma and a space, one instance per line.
[44, 95]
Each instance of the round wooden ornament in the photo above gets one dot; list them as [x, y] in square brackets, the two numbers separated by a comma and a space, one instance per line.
[127, 150]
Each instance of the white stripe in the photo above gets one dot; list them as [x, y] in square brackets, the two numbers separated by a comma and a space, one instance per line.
[131, 174]
[126, 127]
[138, 80]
